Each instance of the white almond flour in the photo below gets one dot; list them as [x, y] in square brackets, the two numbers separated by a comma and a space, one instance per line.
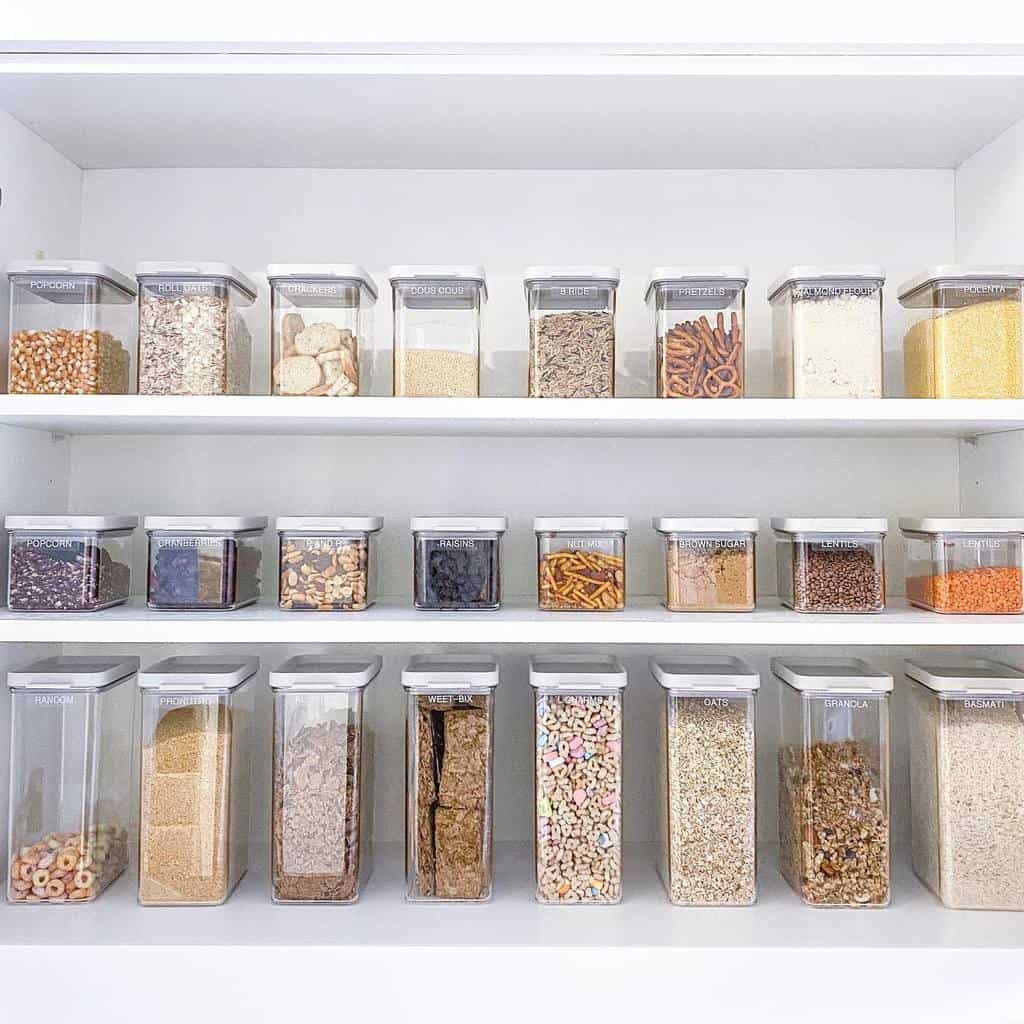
[837, 346]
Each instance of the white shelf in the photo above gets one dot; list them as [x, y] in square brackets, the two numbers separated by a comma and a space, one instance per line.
[519, 621]
[512, 417]
[645, 918]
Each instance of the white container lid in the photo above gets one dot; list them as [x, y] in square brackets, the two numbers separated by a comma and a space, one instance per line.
[832, 675]
[704, 524]
[198, 672]
[205, 524]
[71, 268]
[459, 524]
[705, 674]
[961, 272]
[930, 524]
[581, 524]
[195, 268]
[806, 524]
[62, 523]
[472, 272]
[721, 274]
[450, 672]
[329, 524]
[572, 272]
[867, 272]
[322, 272]
[72, 672]
[973, 675]
[325, 672]
[579, 672]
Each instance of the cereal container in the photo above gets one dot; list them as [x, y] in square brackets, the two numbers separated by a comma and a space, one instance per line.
[449, 776]
[68, 563]
[827, 332]
[963, 333]
[967, 782]
[834, 781]
[699, 330]
[437, 330]
[323, 785]
[578, 777]
[194, 826]
[572, 331]
[707, 781]
[71, 799]
[321, 329]
[581, 563]
[457, 562]
[195, 329]
[71, 329]
[709, 563]
[831, 565]
[328, 563]
[204, 562]
[968, 566]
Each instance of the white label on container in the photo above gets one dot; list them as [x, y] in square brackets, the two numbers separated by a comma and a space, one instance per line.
[981, 543]
[50, 542]
[833, 291]
[465, 543]
[586, 543]
[186, 700]
[715, 702]
[846, 702]
[183, 543]
[450, 698]
[185, 287]
[49, 699]
[591, 700]
[448, 291]
[53, 284]
[837, 543]
[573, 291]
[710, 543]
[982, 704]
[696, 291]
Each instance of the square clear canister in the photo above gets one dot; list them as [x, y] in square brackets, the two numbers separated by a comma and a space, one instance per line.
[699, 330]
[194, 812]
[449, 776]
[328, 563]
[457, 562]
[967, 781]
[831, 565]
[827, 332]
[68, 563]
[581, 563]
[834, 781]
[321, 329]
[71, 799]
[709, 563]
[578, 777]
[963, 333]
[321, 824]
[72, 329]
[572, 331]
[195, 329]
[204, 562]
[707, 781]
[437, 313]
[965, 566]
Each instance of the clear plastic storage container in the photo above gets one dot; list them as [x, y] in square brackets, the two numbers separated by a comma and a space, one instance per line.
[707, 781]
[831, 565]
[457, 562]
[834, 781]
[699, 330]
[321, 328]
[68, 563]
[581, 563]
[323, 783]
[827, 332]
[206, 563]
[71, 329]
[578, 777]
[963, 337]
[328, 563]
[437, 330]
[449, 776]
[572, 331]
[194, 825]
[195, 329]
[70, 793]
[965, 566]
[709, 563]
[967, 782]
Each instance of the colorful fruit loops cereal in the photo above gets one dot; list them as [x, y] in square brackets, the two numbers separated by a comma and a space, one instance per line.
[68, 866]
